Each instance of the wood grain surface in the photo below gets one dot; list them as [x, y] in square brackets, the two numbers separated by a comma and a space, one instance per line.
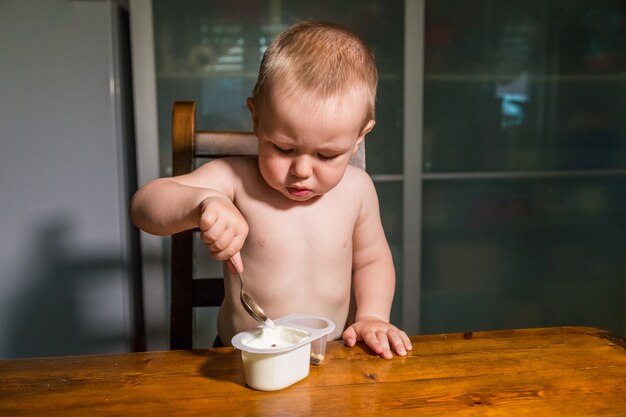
[565, 371]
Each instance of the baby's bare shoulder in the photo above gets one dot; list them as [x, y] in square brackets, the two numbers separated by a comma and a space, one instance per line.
[357, 185]
[356, 180]
[224, 174]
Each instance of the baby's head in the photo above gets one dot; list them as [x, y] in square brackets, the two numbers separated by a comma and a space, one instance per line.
[312, 105]
[319, 60]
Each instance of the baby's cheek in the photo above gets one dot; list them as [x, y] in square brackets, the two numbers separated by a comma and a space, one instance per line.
[272, 172]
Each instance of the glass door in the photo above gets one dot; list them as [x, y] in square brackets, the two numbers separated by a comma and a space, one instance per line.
[523, 165]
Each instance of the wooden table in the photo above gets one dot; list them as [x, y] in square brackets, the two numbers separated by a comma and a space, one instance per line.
[565, 371]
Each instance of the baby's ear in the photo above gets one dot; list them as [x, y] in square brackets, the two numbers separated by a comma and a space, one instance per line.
[253, 113]
[367, 129]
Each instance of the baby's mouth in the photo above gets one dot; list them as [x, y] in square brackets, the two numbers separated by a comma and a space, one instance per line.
[298, 192]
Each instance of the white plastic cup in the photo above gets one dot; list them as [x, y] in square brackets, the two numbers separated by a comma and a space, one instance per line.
[270, 369]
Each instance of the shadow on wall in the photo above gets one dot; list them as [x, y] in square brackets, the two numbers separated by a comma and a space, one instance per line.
[76, 300]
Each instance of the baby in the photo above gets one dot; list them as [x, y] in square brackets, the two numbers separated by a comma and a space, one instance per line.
[305, 224]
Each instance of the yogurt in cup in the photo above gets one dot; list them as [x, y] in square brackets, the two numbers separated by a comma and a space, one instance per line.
[276, 358]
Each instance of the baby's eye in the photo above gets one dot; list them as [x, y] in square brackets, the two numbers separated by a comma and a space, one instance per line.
[283, 150]
[323, 157]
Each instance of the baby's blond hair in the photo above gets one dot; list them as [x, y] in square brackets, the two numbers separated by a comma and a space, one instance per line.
[319, 58]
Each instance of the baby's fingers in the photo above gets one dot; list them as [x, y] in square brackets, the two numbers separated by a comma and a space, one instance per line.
[400, 342]
[407, 342]
[349, 336]
[374, 339]
[226, 247]
[383, 341]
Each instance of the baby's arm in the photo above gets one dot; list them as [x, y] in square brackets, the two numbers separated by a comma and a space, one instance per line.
[203, 198]
[374, 284]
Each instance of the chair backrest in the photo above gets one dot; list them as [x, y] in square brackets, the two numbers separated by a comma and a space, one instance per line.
[188, 146]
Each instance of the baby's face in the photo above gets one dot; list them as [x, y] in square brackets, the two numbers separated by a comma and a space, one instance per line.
[304, 145]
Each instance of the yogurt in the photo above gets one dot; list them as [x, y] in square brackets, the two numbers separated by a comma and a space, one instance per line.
[274, 338]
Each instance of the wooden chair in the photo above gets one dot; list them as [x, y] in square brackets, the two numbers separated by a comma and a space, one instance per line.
[189, 145]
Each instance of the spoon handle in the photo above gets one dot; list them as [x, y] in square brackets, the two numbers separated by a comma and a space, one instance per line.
[235, 263]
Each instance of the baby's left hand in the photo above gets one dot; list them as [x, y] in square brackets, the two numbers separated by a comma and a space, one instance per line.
[379, 335]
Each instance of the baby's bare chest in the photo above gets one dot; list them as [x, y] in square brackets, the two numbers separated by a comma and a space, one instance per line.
[323, 232]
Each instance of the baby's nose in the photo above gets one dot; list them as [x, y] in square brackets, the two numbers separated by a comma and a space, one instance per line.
[301, 167]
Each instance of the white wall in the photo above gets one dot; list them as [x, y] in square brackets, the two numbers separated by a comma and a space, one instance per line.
[64, 264]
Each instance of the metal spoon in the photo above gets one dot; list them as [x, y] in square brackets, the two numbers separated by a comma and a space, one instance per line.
[249, 304]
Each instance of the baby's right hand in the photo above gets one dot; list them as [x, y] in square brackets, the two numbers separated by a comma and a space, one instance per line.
[222, 227]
